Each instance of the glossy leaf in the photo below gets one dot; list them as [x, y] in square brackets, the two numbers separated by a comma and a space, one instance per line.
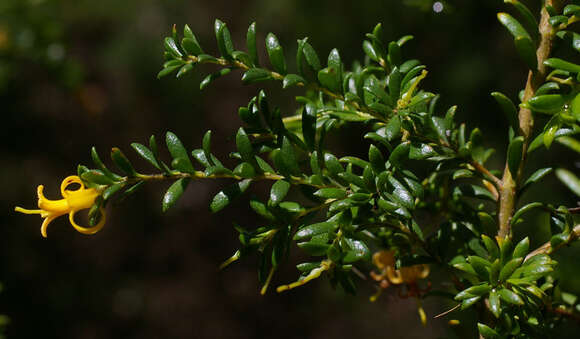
[548, 103]
[315, 229]
[494, 303]
[225, 197]
[569, 179]
[292, 80]
[256, 74]
[523, 210]
[174, 192]
[275, 53]
[510, 297]
[244, 146]
[562, 64]
[331, 193]
[122, 162]
[536, 177]
[522, 248]
[509, 268]
[177, 151]
[515, 154]
[278, 192]
[224, 40]
[487, 332]
[97, 177]
[251, 44]
[508, 108]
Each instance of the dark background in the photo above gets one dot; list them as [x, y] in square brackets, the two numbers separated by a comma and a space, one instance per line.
[76, 74]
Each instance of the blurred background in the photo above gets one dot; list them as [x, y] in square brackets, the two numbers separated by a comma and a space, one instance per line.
[76, 74]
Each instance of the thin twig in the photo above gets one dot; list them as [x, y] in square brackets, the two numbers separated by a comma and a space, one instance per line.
[535, 79]
[547, 247]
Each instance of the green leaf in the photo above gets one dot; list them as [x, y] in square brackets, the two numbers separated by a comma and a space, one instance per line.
[244, 146]
[487, 332]
[510, 297]
[394, 55]
[467, 303]
[97, 177]
[210, 78]
[278, 192]
[309, 125]
[514, 155]
[401, 194]
[376, 159]
[225, 197]
[332, 164]
[473, 191]
[191, 46]
[171, 47]
[190, 43]
[174, 192]
[523, 41]
[536, 177]
[547, 88]
[262, 210]
[522, 248]
[399, 154]
[166, 71]
[315, 229]
[310, 56]
[286, 158]
[256, 74]
[509, 268]
[292, 80]
[155, 151]
[494, 303]
[575, 107]
[523, 210]
[275, 53]
[491, 246]
[101, 165]
[177, 151]
[480, 266]
[562, 64]
[370, 51]
[508, 108]
[183, 70]
[355, 250]
[111, 190]
[473, 291]
[328, 79]
[571, 9]
[569, 179]
[393, 128]
[122, 162]
[439, 125]
[573, 37]
[251, 44]
[331, 193]
[529, 21]
[245, 170]
[465, 267]
[548, 103]
[394, 84]
[224, 40]
[314, 248]
[569, 142]
[527, 50]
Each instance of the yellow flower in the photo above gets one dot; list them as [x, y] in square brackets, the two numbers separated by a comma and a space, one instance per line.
[72, 202]
[385, 261]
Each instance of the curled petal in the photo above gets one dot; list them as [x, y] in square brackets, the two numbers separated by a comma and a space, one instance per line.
[72, 179]
[88, 230]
